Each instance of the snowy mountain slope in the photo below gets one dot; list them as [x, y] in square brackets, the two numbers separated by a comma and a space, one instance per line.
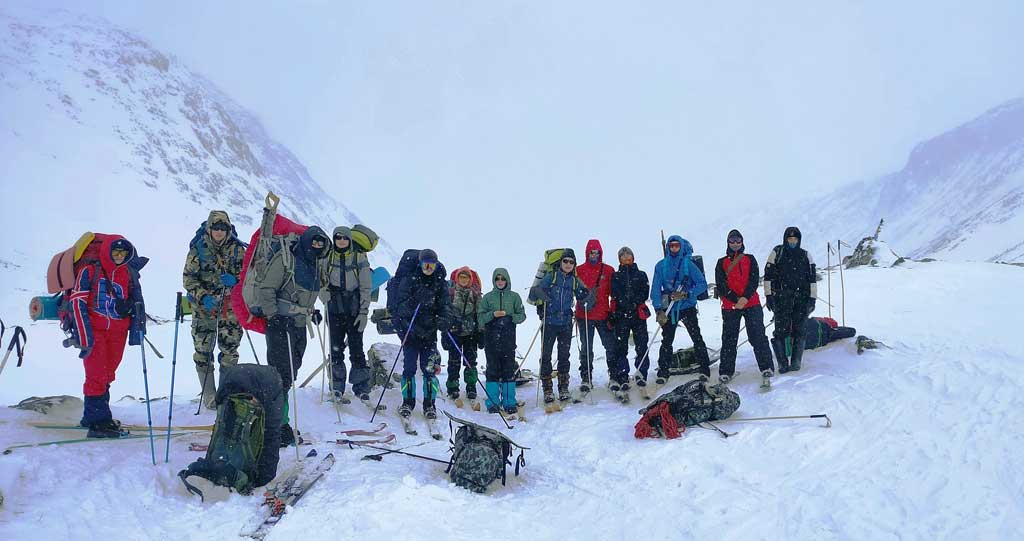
[960, 196]
[102, 132]
[925, 445]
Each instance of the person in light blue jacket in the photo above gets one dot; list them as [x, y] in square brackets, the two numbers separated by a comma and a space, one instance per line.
[677, 283]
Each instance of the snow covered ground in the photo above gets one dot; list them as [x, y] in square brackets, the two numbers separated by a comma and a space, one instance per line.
[925, 444]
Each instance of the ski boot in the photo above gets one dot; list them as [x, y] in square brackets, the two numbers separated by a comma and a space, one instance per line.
[405, 410]
[640, 380]
[340, 398]
[614, 386]
[549, 393]
[105, 429]
[779, 348]
[766, 380]
[429, 411]
[563, 387]
[287, 435]
[724, 379]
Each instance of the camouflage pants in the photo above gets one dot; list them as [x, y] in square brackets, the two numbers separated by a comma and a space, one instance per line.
[224, 332]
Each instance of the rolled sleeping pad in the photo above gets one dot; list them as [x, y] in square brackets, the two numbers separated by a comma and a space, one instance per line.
[44, 308]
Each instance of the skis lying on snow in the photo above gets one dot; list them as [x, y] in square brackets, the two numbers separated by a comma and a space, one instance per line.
[361, 432]
[371, 406]
[390, 438]
[285, 494]
[57, 426]
[8, 450]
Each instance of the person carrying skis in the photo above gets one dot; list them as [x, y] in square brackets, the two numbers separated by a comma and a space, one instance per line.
[286, 298]
[674, 290]
[629, 315]
[107, 308]
[498, 313]
[596, 276]
[736, 280]
[465, 296]
[424, 288]
[790, 291]
[347, 300]
[558, 289]
[212, 268]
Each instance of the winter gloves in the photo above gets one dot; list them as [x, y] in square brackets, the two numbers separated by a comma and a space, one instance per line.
[662, 318]
[209, 303]
[769, 302]
[123, 307]
[360, 322]
[228, 280]
[317, 317]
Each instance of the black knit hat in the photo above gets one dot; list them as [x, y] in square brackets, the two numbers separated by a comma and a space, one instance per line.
[569, 254]
[428, 256]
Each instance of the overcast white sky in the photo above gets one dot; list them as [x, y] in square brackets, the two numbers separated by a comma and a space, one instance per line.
[550, 122]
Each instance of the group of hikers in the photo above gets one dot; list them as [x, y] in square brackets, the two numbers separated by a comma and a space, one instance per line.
[425, 306]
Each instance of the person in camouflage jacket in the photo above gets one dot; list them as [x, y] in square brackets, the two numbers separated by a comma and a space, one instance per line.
[212, 267]
[465, 294]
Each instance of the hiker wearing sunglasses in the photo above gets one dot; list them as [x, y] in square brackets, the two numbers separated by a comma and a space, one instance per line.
[499, 312]
[212, 268]
[677, 283]
[559, 289]
[596, 276]
[425, 288]
[347, 299]
[286, 299]
[736, 280]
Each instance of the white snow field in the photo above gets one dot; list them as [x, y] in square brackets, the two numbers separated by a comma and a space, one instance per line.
[925, 444]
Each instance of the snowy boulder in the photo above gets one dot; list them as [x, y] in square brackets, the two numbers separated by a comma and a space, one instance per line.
[873, 252]
[63, 404]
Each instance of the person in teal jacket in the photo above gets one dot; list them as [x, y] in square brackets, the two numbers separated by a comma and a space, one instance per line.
[677, 283]
[498, 313]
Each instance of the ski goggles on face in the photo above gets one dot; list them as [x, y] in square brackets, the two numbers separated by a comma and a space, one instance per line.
[735, 240]
[428, 266]
[220, 226]
[119, 253]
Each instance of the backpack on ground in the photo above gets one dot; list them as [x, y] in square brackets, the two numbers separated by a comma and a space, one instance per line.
[276, 234]
[689, 404]
[480, 455]
[552, 258]
[235, 446]
[684, 361]
[364, 238]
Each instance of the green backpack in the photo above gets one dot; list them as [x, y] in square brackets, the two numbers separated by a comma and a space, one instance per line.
[235, 447]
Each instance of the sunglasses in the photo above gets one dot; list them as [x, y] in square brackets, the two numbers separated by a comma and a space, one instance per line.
[569, 261]
[220, 226]
[340, 237]
[499, 279]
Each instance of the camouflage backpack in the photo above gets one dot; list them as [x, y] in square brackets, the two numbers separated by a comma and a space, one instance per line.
[235, 447]
[480, 455]
[689, 404]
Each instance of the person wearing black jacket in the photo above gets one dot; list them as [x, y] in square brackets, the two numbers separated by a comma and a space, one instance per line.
[629, 314]
[736, 279]
[790, 291]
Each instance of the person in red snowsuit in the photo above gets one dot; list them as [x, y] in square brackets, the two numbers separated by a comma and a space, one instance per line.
[597, 277]
[106, 306]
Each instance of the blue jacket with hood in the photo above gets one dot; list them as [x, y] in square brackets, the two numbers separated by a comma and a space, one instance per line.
[677, 272]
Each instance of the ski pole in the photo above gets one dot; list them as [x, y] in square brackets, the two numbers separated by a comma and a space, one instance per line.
[330, 373]
[295, 396]
[145, 379]
[251, 346]
[543, 331]
[395, 364]
[828, 422]
[18, 340]
[654, 336]
[588, 350]
[829, 268]
[379, 456]
[467, 366]
[178, 316]
[717, 429]
[842, 282]
[396, 451]
[529, 349]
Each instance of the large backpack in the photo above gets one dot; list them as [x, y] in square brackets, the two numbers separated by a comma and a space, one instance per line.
[480, 455]
[552, 257]
[687, 405]
[235, 447]
[364, 238]
[61, 276]
[199, 241]
[698, 262]
[276, 234]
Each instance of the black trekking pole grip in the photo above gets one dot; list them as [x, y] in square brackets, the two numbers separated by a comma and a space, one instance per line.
[179, 316]
[465, 364]
[19, 339]
[394, 364]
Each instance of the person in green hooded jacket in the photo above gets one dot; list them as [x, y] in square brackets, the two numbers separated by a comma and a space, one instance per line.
[498, 313]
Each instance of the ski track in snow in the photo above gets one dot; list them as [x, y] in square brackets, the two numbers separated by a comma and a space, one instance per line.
[925, 444]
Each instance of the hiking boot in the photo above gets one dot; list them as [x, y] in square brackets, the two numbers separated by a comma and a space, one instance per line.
[797, 356]
[624, 386]
[287, 435]
[511, 410]
[470, 394]
[767, 374]
[105, 429]
[641, 381]
[724, 379]
[563, 387]
[365, 397]
[584, 388]
[339, 396]
[493, 408]
[614, 386]
[779, 348]
[453, 394]
[660, 380]
[549, 394]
